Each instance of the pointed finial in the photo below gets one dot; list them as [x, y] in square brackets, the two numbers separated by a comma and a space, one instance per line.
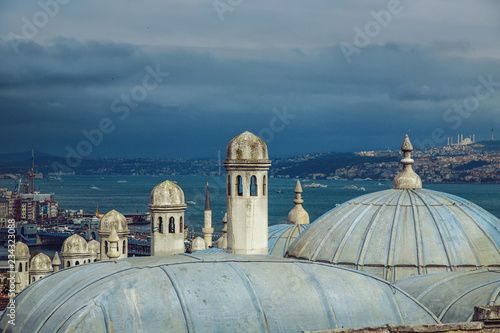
[113, 248]
[207, 200]
[56, 262]
[407, 178]
[298, 214]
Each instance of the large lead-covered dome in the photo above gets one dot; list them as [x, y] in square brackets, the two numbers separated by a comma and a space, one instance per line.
[404, 231]
[452, 296]
[210, 293]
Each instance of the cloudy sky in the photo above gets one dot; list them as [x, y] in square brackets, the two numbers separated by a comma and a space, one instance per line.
[181, 78]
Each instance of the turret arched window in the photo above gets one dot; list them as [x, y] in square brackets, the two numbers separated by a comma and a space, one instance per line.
[68, 264]
[253, 186]
[160, 225]
[171, 225]
[106, 247]
[20, 267]
[26, 267]
[181, 225]
[77, 262]
[123, 247]
[228, 185]
[264, 184]
[239, 186]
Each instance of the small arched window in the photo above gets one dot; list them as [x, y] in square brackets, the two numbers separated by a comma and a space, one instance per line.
[106, 247]
[253, 186]
[20, 267]
[68, 264]
[77, 263]
[26, 267]
[123, 247]
[264, 184]
[239, 186]
[171, 225]
[228, 185]
[160, 225]
[33, 279]
[181, 225]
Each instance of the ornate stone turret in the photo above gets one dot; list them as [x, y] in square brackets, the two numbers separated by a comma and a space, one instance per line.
[113, 245]
[95, 250]
[56, 262]
[22, 256]
[74, 251]
[208, 230]
[247, 164]
[298, 214]
[222, 241]
[112, 220]
[407, 178]
[167, 208]
[40, 266]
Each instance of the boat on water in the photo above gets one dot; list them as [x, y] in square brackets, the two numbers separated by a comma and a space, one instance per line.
[314, 185]
[191, 202]
[351, 187]
[93, 187]
[280, 190]
[122, 181]
[362, 189]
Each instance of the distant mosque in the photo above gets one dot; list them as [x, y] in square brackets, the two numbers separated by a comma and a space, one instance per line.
[405, 257]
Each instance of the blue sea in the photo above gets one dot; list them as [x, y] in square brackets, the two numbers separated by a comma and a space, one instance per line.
[131, 194]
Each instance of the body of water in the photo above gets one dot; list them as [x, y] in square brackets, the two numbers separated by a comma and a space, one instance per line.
[131, 194]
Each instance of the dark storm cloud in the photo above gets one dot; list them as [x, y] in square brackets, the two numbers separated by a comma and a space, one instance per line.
[54, 90]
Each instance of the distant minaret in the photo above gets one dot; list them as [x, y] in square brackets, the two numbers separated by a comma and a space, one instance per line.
[491, 133]
[208, 230]
[448, 141]
[473, 138]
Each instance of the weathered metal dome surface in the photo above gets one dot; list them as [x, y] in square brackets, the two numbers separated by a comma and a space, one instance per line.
[21, 250]
[452, 296]
[247, 146]
[40, 262]
[113, 219]
[74, 244]
[198, 244]
[167, 194]
[281, 236]
[403, 232]
[210, 293]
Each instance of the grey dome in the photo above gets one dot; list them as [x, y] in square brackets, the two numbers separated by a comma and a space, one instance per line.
[75, 244]
[452, 296]
[247, 147]
[113, 219]
[21, 251]
[210, 293]
[40, 263]
[167, 194]
[281, 236]
[403, 232]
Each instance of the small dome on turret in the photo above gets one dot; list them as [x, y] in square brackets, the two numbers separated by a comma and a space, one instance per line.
[41, 262]
[198, 244]
[94, 247]
[113, 219]
[74, 244]
[56, 261]
[167, 194]
[21, 250]
[247, 147]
